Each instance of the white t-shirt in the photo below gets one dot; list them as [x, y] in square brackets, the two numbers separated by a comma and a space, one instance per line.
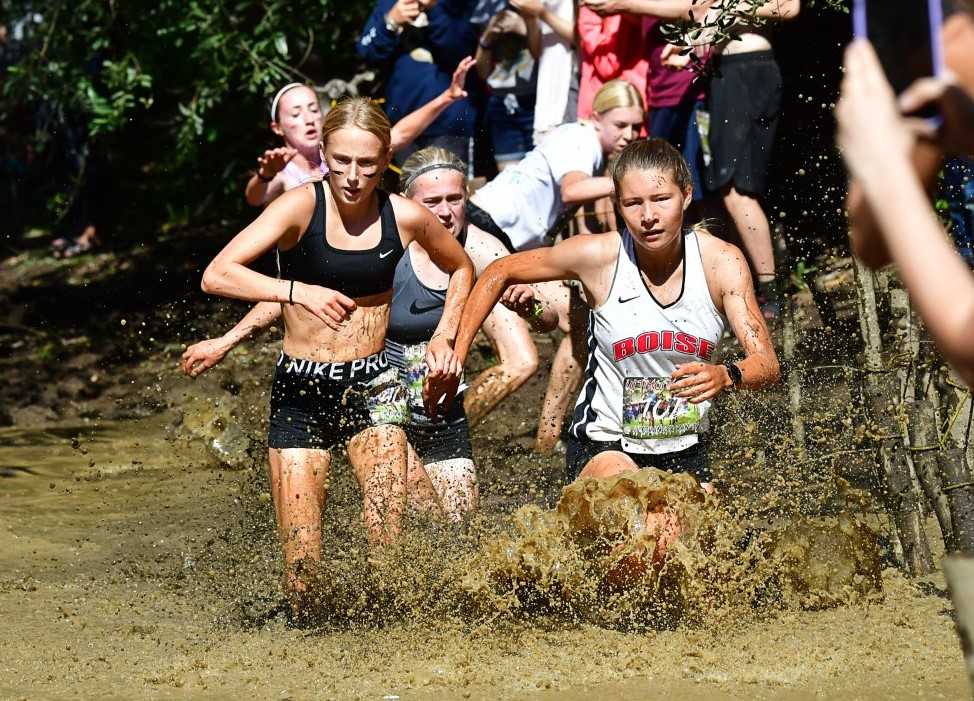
[525, 199]
[555, 66]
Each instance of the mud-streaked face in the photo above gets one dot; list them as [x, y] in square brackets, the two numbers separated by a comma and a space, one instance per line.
[652, 205]
[444, 193]
[355, 160]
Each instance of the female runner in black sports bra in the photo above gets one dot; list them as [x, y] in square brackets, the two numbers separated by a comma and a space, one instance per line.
[339, 246]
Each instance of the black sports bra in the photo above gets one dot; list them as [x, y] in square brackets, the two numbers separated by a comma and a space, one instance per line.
[353, 273]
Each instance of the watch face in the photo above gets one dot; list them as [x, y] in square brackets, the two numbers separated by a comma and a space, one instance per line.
[735, 373]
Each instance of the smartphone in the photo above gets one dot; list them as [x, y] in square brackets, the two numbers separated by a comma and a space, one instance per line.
[906, 36]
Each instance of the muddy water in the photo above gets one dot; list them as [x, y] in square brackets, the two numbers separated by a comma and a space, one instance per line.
[131, 567]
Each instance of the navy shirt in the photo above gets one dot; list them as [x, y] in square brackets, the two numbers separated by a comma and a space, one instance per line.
[411, 83]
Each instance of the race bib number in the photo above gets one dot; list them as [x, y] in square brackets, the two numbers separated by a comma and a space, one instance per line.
[415, 374]
[650, 410]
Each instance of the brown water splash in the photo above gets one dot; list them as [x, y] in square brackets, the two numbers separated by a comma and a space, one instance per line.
[592, 557]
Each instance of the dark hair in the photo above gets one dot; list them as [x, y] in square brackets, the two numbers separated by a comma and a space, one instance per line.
[651, 154]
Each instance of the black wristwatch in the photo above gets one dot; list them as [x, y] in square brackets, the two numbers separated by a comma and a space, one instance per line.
[734, 372]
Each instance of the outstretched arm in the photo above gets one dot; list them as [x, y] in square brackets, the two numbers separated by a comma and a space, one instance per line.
[567, 260]
[939, 282]
[407, 129]
[204, 355]
[664, 9]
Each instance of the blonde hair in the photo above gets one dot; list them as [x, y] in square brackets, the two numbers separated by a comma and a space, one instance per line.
[426, 160]
[617, 93]
[360, 113]
[651, 154]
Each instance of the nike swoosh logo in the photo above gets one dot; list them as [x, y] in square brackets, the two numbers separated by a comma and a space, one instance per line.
[623, 301]
[387, 253]
[416, 309]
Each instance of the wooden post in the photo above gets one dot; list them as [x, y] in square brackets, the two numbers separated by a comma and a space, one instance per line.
[869, 320]
[794, 380]
[959, 572]
[924, 444]
[960, 491]
[906, 510]
[902, 500]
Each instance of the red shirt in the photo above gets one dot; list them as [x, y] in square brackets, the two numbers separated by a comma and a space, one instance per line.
[611, 47]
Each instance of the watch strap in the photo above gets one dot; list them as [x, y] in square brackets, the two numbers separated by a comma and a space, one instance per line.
[734, 372]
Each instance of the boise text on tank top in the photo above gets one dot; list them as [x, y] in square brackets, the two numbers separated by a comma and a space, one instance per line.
[635, 344]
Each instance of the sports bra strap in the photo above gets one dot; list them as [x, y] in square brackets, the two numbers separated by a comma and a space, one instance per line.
[390, 228]
[320, 206]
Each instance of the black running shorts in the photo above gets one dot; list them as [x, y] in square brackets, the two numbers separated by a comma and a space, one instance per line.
[744, 104]
[692, 460]
[319, 405]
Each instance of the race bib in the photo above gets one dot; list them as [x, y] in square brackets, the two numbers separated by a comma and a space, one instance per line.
[387, 400]
[415, 373]
[650, 410]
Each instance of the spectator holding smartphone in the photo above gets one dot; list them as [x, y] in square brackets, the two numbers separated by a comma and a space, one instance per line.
[418, 45]
[879, 146]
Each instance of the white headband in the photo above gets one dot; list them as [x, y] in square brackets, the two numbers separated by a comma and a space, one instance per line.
[280, 94]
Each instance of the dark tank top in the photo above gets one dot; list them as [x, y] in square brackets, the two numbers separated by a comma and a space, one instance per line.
[416, 309]
[353, 273]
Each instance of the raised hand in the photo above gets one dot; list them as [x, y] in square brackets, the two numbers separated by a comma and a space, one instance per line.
[868, 117]
[456, 90]
[331, 306]
[272, 161]
[404, 12]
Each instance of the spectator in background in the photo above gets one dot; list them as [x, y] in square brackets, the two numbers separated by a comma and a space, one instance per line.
[610, 47]
[675, 96]
[296, 117]
[744, 102]
[419, 45]
[506, 60]
[556, 102]
[890, 211]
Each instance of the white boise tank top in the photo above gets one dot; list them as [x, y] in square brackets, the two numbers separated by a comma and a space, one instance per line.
[635, 344]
